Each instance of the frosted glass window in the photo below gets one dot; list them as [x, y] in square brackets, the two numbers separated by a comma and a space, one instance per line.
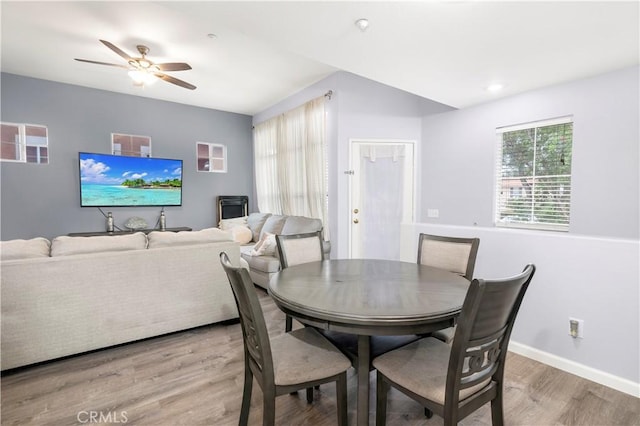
[130, 145]
[24, 143]
[211, 157]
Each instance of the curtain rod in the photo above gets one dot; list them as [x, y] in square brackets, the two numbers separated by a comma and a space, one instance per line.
[326, 95]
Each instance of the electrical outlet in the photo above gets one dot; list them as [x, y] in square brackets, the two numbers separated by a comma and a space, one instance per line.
[434, 213]
[576, 328]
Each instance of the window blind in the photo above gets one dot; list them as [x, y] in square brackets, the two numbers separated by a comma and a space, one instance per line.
[533, 170]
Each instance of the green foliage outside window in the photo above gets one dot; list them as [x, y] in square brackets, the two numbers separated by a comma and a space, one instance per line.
[535, 177]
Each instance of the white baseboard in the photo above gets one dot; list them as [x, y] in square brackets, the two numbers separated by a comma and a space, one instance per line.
[606, 379]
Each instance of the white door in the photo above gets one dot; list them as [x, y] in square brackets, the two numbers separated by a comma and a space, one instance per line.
[381, 197]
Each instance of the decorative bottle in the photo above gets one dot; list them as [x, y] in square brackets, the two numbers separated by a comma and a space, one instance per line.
[109, 222]
[163, 221]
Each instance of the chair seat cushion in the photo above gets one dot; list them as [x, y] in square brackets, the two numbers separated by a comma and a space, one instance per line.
[303, 355]
[421, 367]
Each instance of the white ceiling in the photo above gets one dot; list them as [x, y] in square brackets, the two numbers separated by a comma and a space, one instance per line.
[447, 51]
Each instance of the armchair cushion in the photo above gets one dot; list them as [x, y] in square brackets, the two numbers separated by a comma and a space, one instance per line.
[262, 267]
[256, 221]
[266, 264]
[274, 224]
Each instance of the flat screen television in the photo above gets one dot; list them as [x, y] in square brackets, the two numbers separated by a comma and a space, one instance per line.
[122, 181]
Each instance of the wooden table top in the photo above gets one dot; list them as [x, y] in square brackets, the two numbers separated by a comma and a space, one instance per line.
[368, 294]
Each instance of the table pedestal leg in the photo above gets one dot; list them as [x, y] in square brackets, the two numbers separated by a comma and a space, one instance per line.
[364, 356]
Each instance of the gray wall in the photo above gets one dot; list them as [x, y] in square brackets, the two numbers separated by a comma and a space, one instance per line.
[43, 200]
[459, 149]
[359, 109]
[592, 271]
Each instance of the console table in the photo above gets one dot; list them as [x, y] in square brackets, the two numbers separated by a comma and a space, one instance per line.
[146, 231]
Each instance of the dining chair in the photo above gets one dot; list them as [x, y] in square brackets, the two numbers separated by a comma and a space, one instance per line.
[296, 249]
[455, 380]
[453, 254]
[285, 363]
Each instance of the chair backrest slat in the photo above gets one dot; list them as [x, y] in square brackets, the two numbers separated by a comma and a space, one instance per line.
[254, 328]
[297, 249]
[453, 254]
[482, 336]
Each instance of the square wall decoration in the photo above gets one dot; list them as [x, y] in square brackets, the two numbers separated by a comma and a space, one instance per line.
[211, 157]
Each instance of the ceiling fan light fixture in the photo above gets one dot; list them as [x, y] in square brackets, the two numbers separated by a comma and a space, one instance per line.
[144, 63]
[142, 77]
[144, 72]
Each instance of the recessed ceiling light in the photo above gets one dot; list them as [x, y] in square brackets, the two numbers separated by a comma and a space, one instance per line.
[495, 87]
[363, 24]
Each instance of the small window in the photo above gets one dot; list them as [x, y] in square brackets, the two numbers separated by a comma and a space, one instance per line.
[211, 157]
[26, 143]
[534, 175]
[130, 145]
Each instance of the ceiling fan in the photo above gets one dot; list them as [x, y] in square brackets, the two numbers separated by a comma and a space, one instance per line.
[142, 70]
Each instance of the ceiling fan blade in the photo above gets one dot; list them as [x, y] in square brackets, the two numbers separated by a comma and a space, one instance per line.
[174, 80]
[116, 49]
[174, 66]
[102, 63]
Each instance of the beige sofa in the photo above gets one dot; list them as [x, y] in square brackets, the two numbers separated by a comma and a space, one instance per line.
[264, 264]
[76, 294]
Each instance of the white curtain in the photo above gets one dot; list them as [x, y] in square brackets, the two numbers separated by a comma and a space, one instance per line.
[290, 154]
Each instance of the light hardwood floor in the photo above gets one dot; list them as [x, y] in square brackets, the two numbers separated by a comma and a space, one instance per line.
[195, 378]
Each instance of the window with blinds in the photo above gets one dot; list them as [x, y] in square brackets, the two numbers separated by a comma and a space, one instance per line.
[533, 185]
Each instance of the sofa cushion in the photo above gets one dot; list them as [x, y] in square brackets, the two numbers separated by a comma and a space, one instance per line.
[227, 224]
[301, 225]
[256, 222]
[241, 234]
[24, 249]
[67, 246]
[274, 224]
[159, 239]
[267, 264]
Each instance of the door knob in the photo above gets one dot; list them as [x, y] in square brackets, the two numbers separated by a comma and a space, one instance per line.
[356, 210]
[355, 221]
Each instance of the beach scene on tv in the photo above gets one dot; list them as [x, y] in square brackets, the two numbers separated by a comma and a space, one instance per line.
[114, 180]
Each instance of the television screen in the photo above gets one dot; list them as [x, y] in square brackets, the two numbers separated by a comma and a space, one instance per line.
[121, 181]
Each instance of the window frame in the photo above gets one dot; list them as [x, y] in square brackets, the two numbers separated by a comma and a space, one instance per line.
[210, 157]
[22, 144]
[533, 223]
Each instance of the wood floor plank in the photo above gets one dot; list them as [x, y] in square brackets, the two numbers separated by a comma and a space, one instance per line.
[195, 378]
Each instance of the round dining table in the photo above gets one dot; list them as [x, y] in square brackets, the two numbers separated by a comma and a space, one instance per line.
[369, 297]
